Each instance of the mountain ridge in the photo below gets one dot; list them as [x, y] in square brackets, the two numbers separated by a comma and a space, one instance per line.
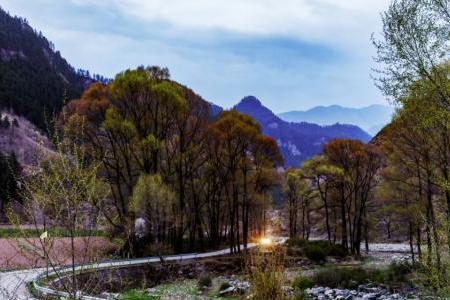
[297, 141]
[370, 118]
[34, 78]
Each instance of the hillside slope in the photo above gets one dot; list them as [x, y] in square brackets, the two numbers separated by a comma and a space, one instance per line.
[297, 141]
[34, 78]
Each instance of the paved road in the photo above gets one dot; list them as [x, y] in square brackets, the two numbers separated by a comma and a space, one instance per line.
[13, 285]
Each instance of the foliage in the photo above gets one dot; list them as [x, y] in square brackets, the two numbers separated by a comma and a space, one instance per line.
[168, 163]
[302, 283]
[63, 195]
[316, 250]
[136, 295]
[9, 175]
[54, 232]
[315, 253]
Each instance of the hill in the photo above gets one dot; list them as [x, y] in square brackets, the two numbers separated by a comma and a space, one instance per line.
[371, 118]
[34, 77]
[297, 141]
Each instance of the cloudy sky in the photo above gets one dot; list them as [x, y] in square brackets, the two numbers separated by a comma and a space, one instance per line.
[292, 54]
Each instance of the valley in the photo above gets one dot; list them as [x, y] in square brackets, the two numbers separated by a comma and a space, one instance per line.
[155, 182]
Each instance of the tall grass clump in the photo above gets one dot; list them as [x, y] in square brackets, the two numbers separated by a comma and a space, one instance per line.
[266, 273]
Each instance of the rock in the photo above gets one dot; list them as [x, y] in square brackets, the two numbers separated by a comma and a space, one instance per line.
[227, 291]
[109, 296]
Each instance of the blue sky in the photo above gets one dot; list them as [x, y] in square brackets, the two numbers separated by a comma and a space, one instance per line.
[292, 54]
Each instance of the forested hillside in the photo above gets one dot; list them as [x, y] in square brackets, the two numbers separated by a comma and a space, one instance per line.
[34, 77]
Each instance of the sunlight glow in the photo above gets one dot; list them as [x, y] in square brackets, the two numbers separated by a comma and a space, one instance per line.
[265, 242]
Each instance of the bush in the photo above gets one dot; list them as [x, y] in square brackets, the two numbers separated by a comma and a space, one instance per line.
[345, 277]
[204, 281]
[337, 250]
[296, 242]
[302, 283]
[315, 252]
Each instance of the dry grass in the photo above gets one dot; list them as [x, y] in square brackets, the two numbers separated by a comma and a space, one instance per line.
[266, 272]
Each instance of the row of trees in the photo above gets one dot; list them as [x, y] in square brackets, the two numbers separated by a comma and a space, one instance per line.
[179, 176]
[336, 185]
[413, 53]
[400, 182]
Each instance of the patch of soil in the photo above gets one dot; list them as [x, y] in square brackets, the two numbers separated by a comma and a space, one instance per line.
[27, 252]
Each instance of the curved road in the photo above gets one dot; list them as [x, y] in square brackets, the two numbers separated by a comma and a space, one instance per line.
[13, 285]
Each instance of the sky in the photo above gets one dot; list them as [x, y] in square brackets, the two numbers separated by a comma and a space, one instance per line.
[291, 54]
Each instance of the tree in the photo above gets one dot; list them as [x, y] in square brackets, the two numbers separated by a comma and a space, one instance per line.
[414, 42]
[62, 194]
[358, 165]
[10, 172]
[298, 193]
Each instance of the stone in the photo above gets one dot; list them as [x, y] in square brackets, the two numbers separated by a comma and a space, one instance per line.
[227, 291]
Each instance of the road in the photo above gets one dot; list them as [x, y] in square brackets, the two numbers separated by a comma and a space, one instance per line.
[13, 285]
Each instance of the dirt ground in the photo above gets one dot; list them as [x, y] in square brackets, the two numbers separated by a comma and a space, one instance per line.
[28, 253]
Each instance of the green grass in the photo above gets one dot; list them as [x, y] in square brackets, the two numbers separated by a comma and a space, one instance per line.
[188, 289]
[137, 295]
[53, 232]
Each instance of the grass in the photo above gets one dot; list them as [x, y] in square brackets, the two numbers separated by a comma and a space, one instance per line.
[184, 289]
[137, 295]
[53, 232]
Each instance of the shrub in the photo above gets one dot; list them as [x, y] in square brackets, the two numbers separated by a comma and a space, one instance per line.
[204, 281]
[337, 250]
[296, 242]
[315, 252]
[345, 277]
[302, 283]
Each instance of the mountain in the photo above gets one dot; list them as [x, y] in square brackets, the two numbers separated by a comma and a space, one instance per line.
[371, 118]
[297, 141]
[34, 77]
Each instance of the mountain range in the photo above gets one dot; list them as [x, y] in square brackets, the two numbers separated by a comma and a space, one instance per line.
[35, 80]
[297, 141]
[371, 118]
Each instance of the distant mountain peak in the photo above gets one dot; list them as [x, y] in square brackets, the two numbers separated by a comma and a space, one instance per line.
[250, 100]
[297, 141]
[252, 106]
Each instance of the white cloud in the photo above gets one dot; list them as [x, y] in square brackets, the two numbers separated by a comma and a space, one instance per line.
[329, 21]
